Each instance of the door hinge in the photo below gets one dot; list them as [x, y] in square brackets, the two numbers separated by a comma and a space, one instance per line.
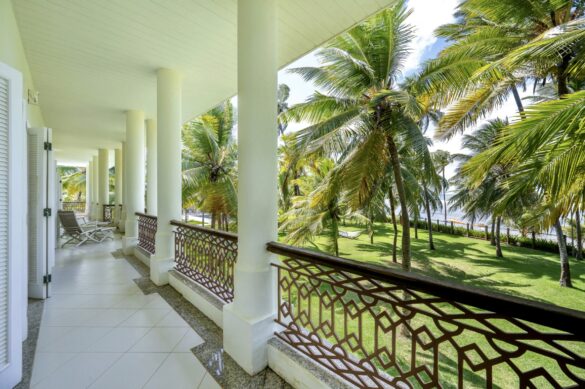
[47, 212]
[47, 278]
[48, 146]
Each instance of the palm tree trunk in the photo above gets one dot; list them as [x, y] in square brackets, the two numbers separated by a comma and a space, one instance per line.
[493, 237]
[579, 255]
[565, 279]
[445, 195]
[403, 204]
[395, 237]
[416, 225]
[429, 221]
[498, 238]
[518, 101]
[335, 235]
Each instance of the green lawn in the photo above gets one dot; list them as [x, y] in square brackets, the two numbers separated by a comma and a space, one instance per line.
[522, 272]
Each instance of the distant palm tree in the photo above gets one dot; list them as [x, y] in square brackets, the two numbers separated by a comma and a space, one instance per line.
[364, 117]
[319, 210]
[209, 165]
[441, 159]
[73, 182]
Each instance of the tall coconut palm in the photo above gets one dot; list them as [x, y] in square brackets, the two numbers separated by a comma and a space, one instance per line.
[468, 76]
[547, 150]
[362, 110]
[209, 165]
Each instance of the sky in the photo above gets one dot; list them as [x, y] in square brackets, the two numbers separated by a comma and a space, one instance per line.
[426, 16]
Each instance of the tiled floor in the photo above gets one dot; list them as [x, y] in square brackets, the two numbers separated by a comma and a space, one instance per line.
[99, 330]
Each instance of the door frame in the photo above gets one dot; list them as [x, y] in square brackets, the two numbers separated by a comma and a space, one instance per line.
[11, 373]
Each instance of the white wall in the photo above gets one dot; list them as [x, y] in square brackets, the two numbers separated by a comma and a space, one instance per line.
[12, 53]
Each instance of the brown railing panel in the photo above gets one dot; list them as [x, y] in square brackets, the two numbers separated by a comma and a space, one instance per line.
[207, 256]
[377, 327]
[75, 206]
[147, 225]
[108, 212]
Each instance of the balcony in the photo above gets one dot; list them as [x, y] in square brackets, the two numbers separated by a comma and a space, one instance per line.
[168, 303]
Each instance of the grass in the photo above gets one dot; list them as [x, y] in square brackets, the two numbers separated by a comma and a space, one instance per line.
[522, 272]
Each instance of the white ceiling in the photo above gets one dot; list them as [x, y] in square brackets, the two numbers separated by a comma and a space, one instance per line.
[93, 60]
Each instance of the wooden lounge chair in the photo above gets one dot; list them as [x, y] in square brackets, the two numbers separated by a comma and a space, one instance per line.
[82, 234]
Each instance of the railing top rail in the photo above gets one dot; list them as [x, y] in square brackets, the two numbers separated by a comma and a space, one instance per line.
[145, 215]
[560, 318]
[223, 234]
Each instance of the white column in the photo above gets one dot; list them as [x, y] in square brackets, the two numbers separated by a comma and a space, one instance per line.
[248, 322]
[122, 221]
[151, 156]
[134, 168]
[118, 189]
[169, 162]
[104, 181]
[95, 191]
[88, 188]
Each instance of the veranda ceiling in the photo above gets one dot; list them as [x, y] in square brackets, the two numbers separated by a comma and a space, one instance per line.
[93, 60]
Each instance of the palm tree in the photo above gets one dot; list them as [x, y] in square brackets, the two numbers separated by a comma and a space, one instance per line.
[72, 182]
[442, 158]
[363, 111]
[290, 170]
[547, 150]
[320, 210]
[469, 76]
[209, 165]
[282, 106]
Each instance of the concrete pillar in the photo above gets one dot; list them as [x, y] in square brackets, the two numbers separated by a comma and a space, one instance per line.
[151, 157]
[118, 185]
[95, 191]
[248, 322]
[122, 221]
[168, 161]
[88, 189]
[134, 168]
[104, 181]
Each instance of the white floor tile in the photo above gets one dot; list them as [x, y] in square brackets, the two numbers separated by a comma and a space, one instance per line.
[190, 340]
[209, 383]
[79, 372]
[120, 339]
[131, 371]
[77, 340]
[178, 371]
[109, 317]
[66, 316]
[145, 318]
[159, 340]
[47, 363]
[172, 319]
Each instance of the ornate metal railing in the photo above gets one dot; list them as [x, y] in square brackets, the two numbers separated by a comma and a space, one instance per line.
[378, 327]
[75, 206]
[146, 231]
[108, 210]
[207, 256]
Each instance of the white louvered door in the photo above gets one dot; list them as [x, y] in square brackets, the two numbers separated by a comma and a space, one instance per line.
[12, 225]
[41, 205]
